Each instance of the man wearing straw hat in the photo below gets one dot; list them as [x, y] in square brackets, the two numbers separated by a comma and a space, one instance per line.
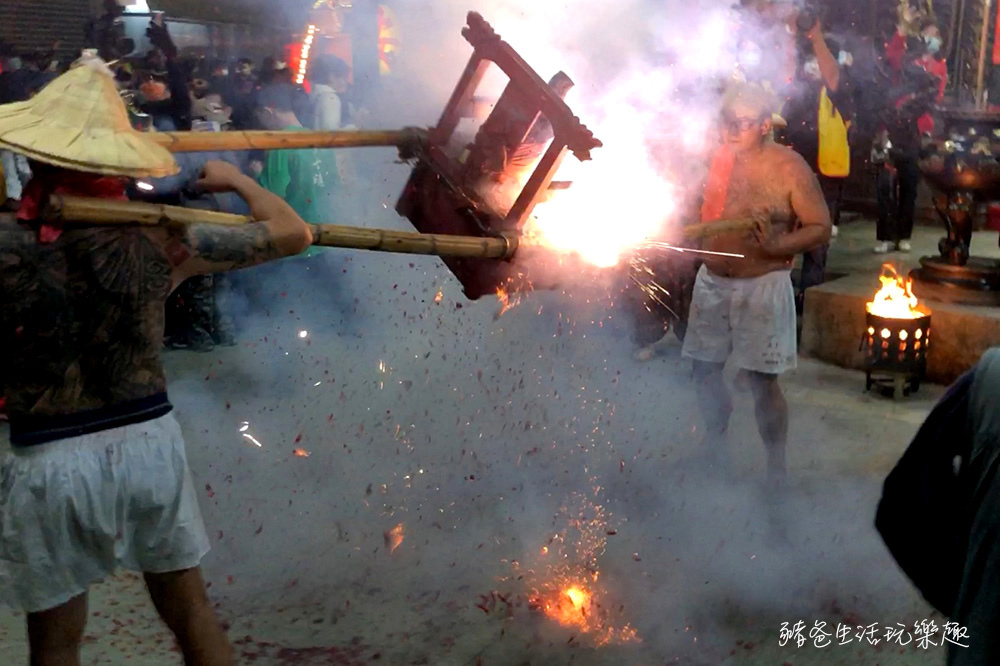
[98, 477]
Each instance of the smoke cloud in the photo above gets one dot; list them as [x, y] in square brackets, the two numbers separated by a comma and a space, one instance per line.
[369, 395]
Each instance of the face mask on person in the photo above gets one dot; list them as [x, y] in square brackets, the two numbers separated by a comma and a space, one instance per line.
[933, 44]
[845, 59]
[223, 72]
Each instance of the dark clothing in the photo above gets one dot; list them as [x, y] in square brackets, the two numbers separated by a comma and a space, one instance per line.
[885, 193]
[814, 262]
[178, 107]
[802, 135]
[195, 318]
[925, 489]
[908, 178]
[978, 604]
[241, 96]
[940, 512]
[16, 86]
[195, 312]
[31, 430]
[801, 112]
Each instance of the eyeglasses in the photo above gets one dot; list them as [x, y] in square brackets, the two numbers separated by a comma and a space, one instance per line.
[739, 125]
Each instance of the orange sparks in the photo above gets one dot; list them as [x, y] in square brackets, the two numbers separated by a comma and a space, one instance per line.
[507, 302]
[570, 589]
[895, 299]
[394, 537]
[301, 453]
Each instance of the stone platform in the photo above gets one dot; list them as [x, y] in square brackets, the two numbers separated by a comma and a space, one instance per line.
[834, 321]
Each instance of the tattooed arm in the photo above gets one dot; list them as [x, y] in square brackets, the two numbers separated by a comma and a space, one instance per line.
[807, 202]
[199, 249]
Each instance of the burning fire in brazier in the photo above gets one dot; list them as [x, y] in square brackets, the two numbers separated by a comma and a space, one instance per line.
[898, 336]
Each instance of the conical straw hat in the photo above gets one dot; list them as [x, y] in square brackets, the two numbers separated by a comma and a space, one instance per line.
[79, 122]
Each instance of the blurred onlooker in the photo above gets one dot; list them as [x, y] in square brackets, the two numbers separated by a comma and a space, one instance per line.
[166, 89]
[242, 93]
[300, 176]
[818, 117]
[15, 86]
[921, 73]
[219, 79]
[330, 77]
[197, 318]
[885, 190]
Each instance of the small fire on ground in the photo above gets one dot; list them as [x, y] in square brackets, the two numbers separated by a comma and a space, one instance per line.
[566, 578]
[895, 299]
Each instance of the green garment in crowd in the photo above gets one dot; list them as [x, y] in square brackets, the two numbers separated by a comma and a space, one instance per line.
[306, 178]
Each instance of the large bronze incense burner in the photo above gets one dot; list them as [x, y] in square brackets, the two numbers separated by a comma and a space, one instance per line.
[964, 172]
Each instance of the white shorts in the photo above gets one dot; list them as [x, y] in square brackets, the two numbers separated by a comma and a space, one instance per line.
[74, 510]
[750, 319]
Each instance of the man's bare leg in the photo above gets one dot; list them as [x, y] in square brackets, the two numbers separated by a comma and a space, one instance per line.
[54, 636]
[772, 422]
[715, 403]
[181, 601]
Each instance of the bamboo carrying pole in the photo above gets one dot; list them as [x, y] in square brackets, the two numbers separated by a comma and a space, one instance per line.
[84, 210]
[188, 142]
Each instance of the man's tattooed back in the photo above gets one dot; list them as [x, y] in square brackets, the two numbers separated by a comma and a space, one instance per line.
[81, 318]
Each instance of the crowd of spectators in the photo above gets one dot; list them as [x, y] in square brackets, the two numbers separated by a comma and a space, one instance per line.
[167, 91]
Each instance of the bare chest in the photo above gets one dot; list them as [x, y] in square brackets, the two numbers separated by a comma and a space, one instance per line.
[756, 188]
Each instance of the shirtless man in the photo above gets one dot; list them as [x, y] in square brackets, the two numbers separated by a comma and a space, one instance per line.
[744, 309]
[97, 477]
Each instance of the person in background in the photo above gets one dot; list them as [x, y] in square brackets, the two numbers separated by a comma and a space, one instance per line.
[167, 86]
[885, 189]
[306, 179]
[818, 117]
[219, 80]
[922, 74]
[15, 84]
[330, 78]
[197, 317]
[297, 176]
[242, 95]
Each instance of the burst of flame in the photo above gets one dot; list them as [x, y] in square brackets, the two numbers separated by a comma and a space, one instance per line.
[895, 299]
[571, 607]
[569, 591]
[301, 453]
[589, 222]
[507, 300]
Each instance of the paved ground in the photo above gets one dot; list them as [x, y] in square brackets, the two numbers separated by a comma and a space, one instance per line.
[852, 251]
[490, 440]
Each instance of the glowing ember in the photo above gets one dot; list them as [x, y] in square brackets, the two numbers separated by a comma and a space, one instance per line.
[895, 299]
[569, 591]
[301, 453]
[507, 301]
[394, 537]
[439, 297]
